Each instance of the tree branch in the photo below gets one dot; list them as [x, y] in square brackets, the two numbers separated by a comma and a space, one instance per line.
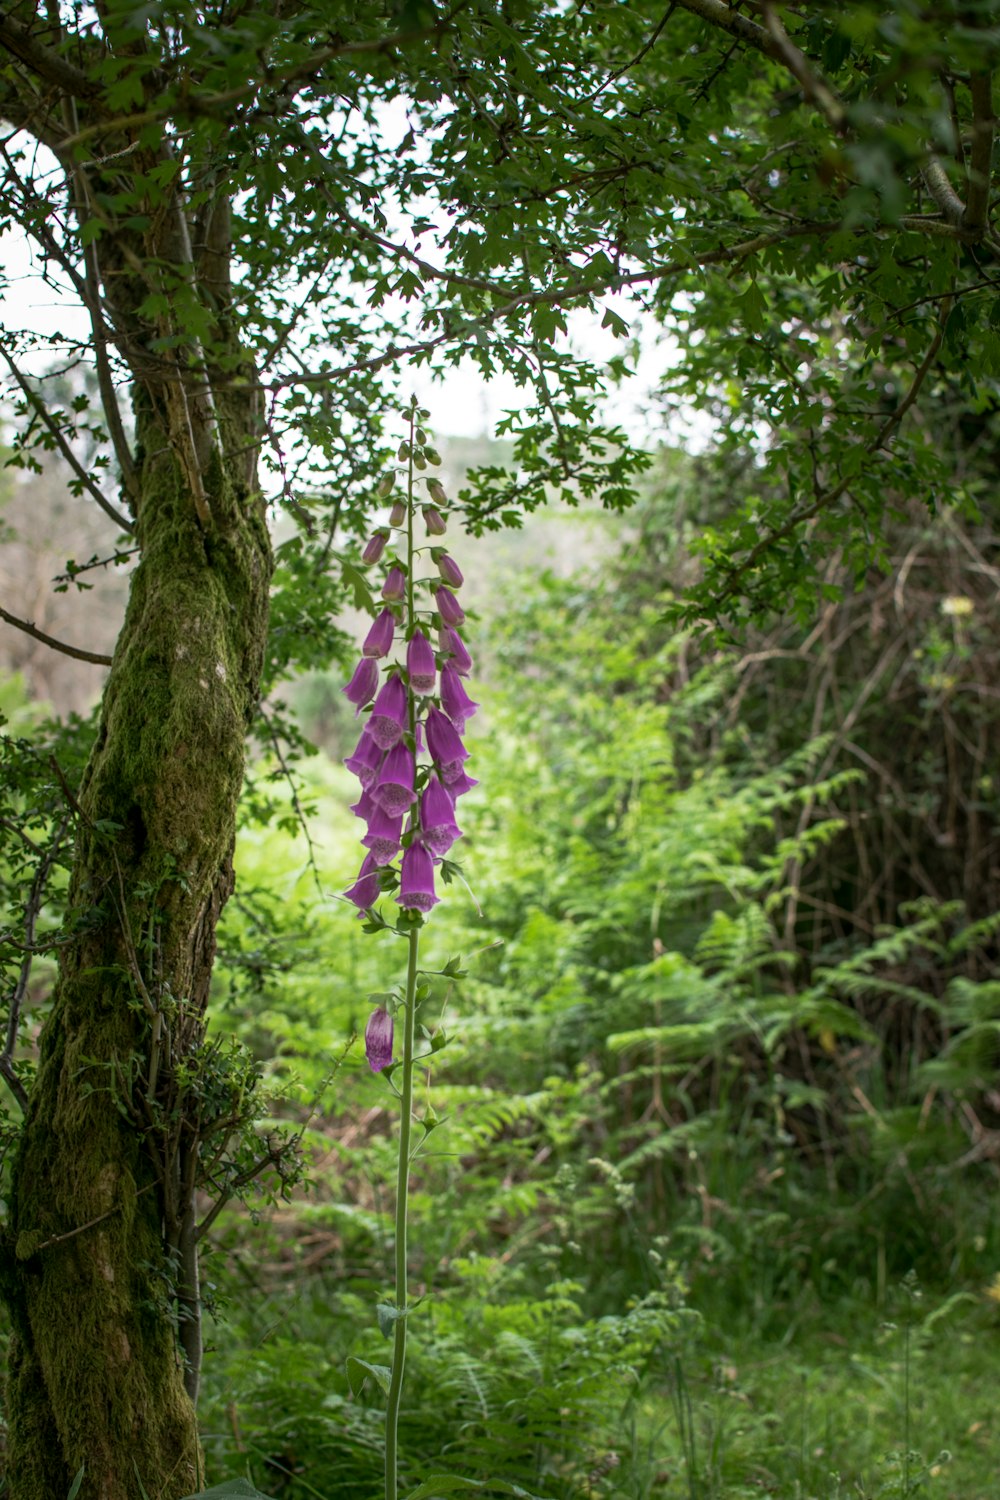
[33, 398]
[981, 151]
[728, 19]
[31, 911]
[76, 652]
[814, 87]
[47, 65]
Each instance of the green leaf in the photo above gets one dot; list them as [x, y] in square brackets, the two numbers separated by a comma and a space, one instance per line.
[388, 1316]
[359, 583]
[358, 1371]
[74, 1488]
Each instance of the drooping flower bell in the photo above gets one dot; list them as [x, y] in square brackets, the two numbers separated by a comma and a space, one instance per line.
[454, 699]
[378, 1040]
[438, 829]
[378, 641]
[364, 891]
[452, 642]
[363, 684]
[434, 521]
[420, 663]
[384, 832]
[366, 759]
[445, 746]
[393, 787]
[416, 886]
[388, 715]
[449, 609]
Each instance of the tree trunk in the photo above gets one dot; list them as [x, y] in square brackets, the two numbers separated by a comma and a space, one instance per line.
[101, 1205]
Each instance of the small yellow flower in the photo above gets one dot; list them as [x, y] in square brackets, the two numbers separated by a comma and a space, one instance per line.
[993, 1290]
[957, 604]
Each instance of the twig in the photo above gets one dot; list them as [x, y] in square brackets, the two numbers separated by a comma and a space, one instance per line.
[981, 151]
[31, 911]
[34, 400]
[814, 87]
[76, 652]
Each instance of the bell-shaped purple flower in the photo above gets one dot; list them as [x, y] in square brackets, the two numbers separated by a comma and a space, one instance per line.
[445, 745]
[366, 759]
[374, 547]
[393, 789]
[378, 641]
[454, 699]
[449, 608]
[438, 829]
[434, 521]
[384, 832]
[416, 884]
[460, 785]
[388, 715]
[397, 516]
[363, 684]
[365, 806]
[378, 1040]
[449, 570]
[420, 663]
[365, 890]
[394, 587]
[452, 642]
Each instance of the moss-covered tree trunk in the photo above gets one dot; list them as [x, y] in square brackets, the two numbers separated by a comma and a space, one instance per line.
[97, 1373]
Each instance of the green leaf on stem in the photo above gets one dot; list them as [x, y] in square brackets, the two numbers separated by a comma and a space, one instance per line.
[359, 1370]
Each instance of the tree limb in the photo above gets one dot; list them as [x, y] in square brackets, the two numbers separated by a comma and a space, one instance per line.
[727, 18]
[76, 652]
[31, 911]
[814, 87]
[981, 151]
[46, 64]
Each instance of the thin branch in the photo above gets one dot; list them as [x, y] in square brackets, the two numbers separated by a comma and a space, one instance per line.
[92, 300]
[31, 911]
[76, 652]
[633, 61]
[727, 18]
[814, 87]
[981, 151]
[562, 295]
[33, 398]
[943, 193]
[831, 496]
[47, 65]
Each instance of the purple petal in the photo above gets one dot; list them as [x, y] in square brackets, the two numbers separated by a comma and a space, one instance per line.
[388, 716]
[454, 699]
[378, 641]
[420, 663]
[378, 1040]
[363, 684]
[416, 886]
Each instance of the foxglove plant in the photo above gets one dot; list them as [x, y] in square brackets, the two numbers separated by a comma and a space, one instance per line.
[408, 796]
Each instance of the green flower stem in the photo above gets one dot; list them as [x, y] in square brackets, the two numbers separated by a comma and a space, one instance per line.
[406, 1090]
[402, 1195]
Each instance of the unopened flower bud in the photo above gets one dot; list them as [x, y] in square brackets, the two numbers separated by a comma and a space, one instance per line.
[374, 547]
[450, 571]
[395, 584]
[386, 485]
[398, 513]
[436, 491]
[434, 521]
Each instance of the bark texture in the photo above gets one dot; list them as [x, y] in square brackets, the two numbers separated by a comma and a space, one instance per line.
[96, 1376]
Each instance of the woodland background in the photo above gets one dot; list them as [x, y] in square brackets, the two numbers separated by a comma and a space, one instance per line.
[713, 1212]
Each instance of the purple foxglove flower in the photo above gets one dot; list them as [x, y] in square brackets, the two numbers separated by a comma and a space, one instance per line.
[364, 892]
[449, 608]
[444, 744]
[393, 790]
[374, 547]
[438, 829]
[366, 759]
[363, 684]
[378, 1040]
[365, 806]
[382, 838]
[420, 663]
[450, 571]
[434, 521]
[378, 641]
[397, 515]
[388, 715]
[395, 584]
[460, 786]
[454, 699]
[452, 642]
[416, 885]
